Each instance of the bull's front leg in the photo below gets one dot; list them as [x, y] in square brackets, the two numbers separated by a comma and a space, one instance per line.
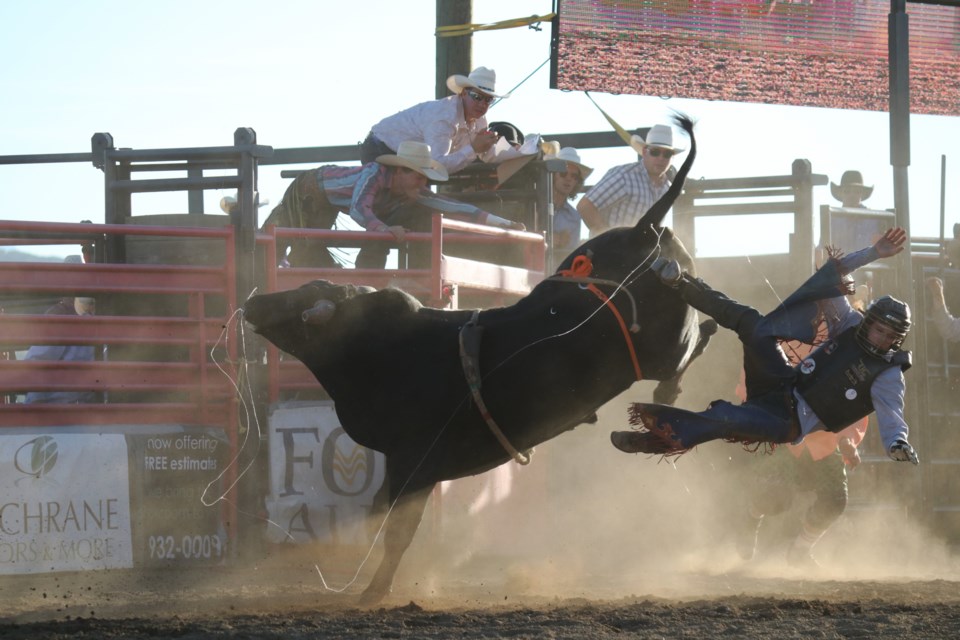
[401, 525]
[667, 391]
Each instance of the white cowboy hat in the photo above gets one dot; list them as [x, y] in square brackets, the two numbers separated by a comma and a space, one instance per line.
[480, 78]
[851, 180]
[416, 156]
[570, 155]
[660, 136]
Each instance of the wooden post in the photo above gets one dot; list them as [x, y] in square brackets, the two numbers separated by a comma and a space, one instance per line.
[454, 55]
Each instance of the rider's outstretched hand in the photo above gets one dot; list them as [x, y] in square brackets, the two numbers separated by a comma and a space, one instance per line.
[901, 451]
[891, 243]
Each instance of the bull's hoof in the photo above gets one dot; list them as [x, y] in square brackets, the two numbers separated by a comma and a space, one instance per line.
[371, 597]
[708, 327]
[667, 391]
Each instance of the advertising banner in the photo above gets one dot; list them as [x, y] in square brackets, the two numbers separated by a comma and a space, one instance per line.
[171, 468]
[64, 502]
[322, 483]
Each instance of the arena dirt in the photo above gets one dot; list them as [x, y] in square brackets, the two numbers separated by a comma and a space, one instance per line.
[591, 543]
[256, 605]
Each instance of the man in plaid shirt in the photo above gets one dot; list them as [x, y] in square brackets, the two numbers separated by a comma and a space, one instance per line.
[625, 192]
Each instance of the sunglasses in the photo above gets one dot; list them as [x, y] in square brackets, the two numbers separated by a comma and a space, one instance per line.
[656, 153]
[569, 174]
[476, 96]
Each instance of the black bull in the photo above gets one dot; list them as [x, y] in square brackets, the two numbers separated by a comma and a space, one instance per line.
[547, 363]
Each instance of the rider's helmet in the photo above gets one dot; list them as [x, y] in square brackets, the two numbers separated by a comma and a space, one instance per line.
[891, 312]
[509, 131]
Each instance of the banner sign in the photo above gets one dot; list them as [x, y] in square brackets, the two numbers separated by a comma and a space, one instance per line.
[64, 502]
[170, 468]
[74, 498]
[322, 483]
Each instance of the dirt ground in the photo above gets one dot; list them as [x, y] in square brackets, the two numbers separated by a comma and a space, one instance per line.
[580, 544]
[285, 604]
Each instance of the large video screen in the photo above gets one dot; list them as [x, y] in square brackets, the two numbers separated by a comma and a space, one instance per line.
[798, 52]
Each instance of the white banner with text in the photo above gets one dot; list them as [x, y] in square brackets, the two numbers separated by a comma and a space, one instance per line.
[64, 503]
[322, 483]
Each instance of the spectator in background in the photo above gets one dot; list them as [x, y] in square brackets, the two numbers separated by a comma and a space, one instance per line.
[566, 185]
[64, 353]
[851, 192]
[952, 248]
[454, 127]
[390, 194]
[626, 192]
[89, 250]
[947, 325]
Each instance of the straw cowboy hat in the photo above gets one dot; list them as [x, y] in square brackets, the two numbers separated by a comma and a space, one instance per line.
[850, 180]
[660, 136]
[416, 156]
[480, 78]
[570, 155]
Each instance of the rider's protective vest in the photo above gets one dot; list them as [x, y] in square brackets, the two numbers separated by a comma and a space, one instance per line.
[835, 379]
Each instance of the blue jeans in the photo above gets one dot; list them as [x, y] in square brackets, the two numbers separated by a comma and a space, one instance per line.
[767, 418]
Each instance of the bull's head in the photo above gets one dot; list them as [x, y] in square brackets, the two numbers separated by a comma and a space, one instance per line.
[669, 331]
[281, 317]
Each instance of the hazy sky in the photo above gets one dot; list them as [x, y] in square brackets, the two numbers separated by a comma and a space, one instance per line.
[314, 72]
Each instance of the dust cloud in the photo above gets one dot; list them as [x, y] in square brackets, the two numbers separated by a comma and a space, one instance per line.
[584, 520]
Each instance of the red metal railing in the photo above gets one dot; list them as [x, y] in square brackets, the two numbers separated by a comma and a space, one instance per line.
[192, 389]
[204, 396]
[189, 391]
[440, 285]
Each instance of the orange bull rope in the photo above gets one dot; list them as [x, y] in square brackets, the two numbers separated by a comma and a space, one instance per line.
[580, 271]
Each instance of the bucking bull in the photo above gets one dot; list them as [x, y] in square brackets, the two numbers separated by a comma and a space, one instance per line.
[445, 394]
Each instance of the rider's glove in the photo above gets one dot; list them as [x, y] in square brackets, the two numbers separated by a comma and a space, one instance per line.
[901, 451]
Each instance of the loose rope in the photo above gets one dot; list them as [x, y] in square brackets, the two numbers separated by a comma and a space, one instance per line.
[635, 272]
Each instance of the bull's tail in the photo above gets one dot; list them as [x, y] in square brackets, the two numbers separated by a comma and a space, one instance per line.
[655, 215]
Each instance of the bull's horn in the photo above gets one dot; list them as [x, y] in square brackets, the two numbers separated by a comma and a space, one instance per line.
[319, 313]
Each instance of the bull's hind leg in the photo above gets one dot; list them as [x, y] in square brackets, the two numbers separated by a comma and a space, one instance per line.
[402, 523]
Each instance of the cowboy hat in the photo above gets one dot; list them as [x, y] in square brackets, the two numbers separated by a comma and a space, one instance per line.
[659, 135]
[850, 180]
[480, 78]
[416, 156]
[570, 155]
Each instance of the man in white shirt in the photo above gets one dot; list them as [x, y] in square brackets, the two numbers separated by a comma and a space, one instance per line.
[454, 127]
